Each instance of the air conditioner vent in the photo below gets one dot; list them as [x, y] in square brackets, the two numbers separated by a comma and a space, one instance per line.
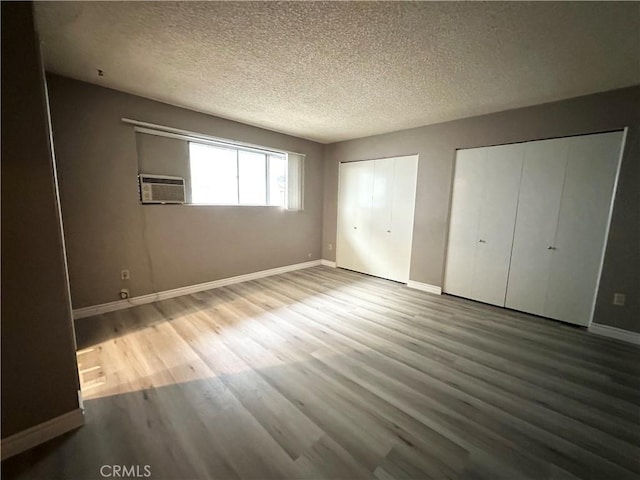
[161, 189]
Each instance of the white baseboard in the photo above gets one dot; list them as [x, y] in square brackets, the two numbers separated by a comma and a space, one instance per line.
[176, 292]
[41, 433]
[328, 263]
[425, 287]
[613, 332]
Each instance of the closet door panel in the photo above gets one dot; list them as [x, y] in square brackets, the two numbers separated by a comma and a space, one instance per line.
[382, 258]
[354, 215]
[464, 220]
[582, 224]
[503, 168]
[537, 213]
[399, 234]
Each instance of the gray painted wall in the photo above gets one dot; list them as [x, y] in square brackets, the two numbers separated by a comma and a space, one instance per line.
[39, 372]
[436, 146]
[163, 246]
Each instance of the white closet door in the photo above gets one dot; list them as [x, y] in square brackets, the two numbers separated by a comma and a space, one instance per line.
[538, 206]
[582, 225]
[399, 233]
[463, 227]
[498, 202]
[354, 215]
[381, 213]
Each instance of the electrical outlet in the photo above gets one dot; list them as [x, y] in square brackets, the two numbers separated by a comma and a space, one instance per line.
[124, 275]
[124, 293]
[330, 246]
[619, 298]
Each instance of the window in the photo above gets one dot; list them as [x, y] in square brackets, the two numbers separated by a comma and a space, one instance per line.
[220, 172]
[225, 175]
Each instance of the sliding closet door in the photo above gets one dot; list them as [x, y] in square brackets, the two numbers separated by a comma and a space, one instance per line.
[538, 206]
[582, 225]
[354, 215]
[394, 189]
[502, 170]
[380, 257]
[483, 211]
[399, 231]
[465, 217]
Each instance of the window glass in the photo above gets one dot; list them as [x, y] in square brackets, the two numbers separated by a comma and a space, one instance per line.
[224, 175]
[277, 180]
[214, 174]
[252, 171]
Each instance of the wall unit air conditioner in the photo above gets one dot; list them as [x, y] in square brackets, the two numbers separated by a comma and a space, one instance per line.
[160, 189]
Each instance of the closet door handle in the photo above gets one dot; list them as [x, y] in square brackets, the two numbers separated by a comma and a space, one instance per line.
[551, 248]
[388, 231]
[482, 241]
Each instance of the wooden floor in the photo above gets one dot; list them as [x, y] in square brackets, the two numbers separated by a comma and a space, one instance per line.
[325, 373]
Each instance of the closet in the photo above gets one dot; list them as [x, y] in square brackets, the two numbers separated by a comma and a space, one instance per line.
[376, 203]
[529, 223]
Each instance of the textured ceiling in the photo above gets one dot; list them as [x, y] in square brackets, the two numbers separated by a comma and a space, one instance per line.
[331, 71]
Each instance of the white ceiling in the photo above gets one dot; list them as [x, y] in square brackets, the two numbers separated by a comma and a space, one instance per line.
[331, 71]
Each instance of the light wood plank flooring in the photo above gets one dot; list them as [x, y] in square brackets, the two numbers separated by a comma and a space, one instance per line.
[326, 373]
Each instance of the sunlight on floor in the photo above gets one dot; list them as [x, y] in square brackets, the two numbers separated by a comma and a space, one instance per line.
[192, 344]
[156, 356]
